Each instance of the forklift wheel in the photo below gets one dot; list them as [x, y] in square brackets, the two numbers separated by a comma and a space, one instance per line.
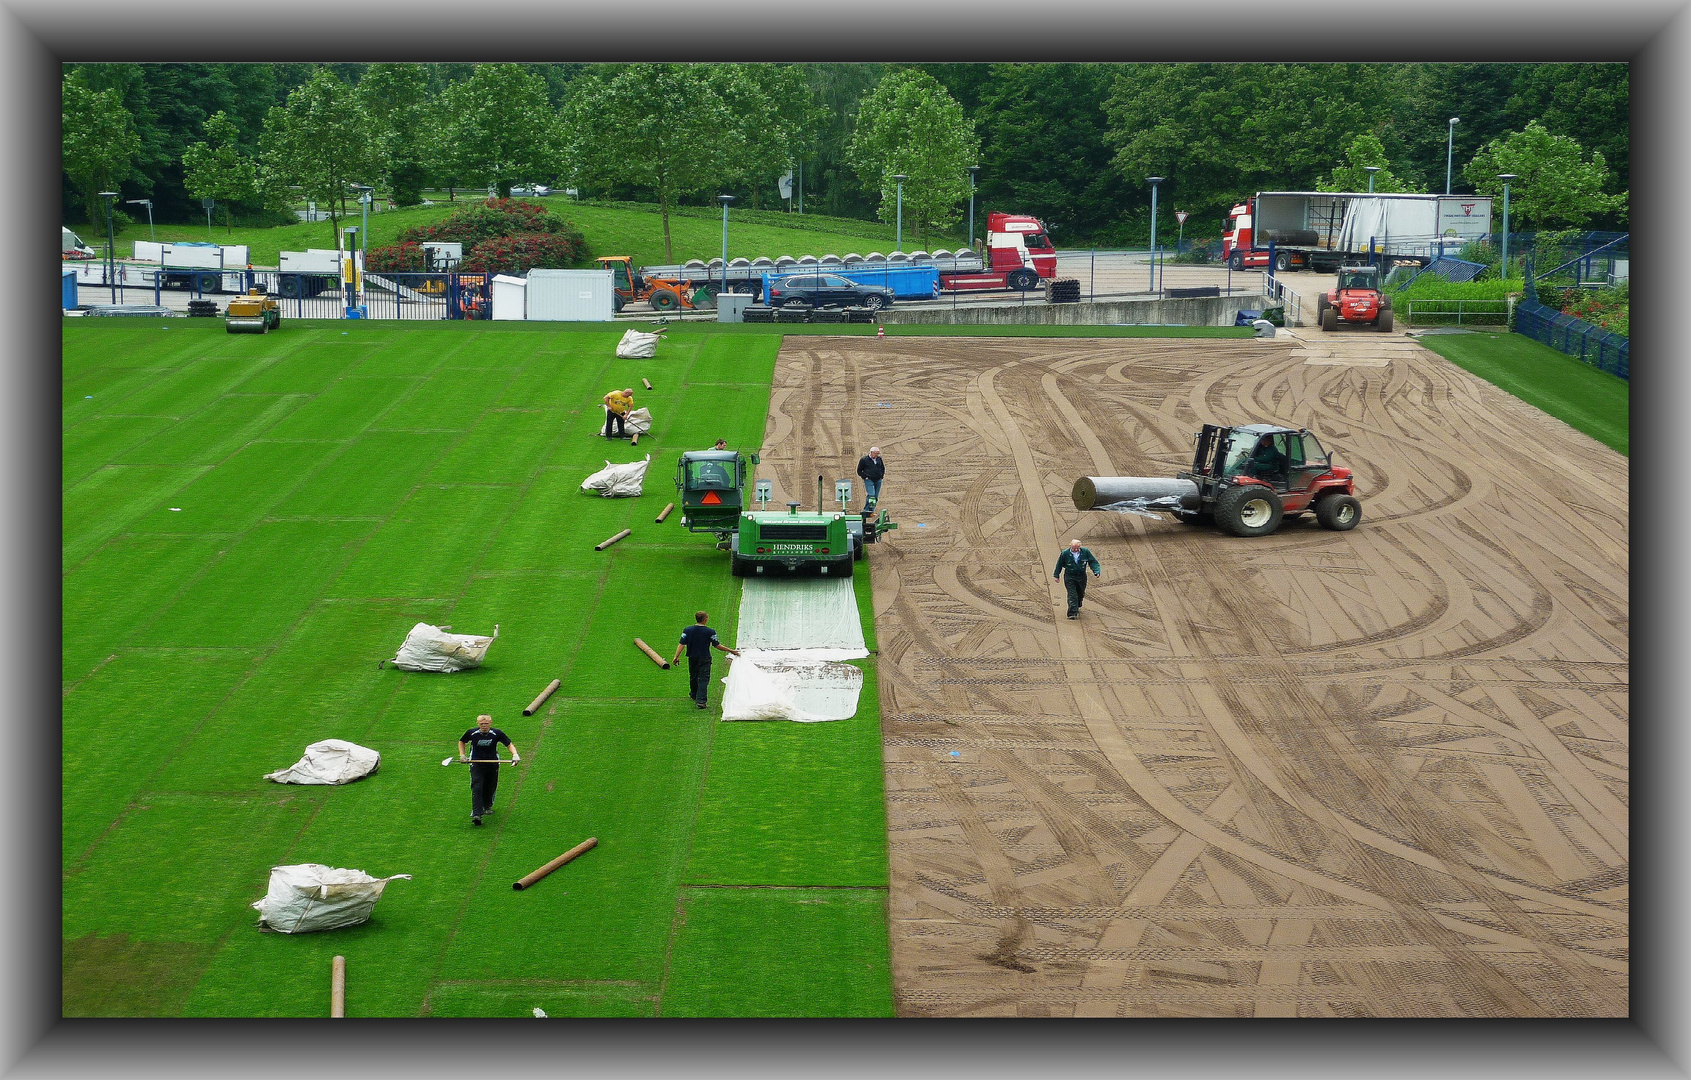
[1338, 512]
[1329, 318]
[1248, 510]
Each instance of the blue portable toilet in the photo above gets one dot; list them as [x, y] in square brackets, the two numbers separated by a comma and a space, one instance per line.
[69, 290]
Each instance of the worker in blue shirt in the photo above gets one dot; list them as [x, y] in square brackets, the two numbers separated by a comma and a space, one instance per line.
[1071, 567]
[699, 640]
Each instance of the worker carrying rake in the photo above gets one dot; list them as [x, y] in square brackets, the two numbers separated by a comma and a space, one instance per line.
[1072, 565]
[618, 404]
[483, 755]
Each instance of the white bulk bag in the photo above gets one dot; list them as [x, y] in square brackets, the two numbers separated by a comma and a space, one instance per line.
[637, 346]
[638, 422]
[431, 648]
[618, 481]
[332, 761]
[311, 896]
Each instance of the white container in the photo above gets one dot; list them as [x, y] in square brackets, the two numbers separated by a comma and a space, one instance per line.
[508, 293]
[570, 296]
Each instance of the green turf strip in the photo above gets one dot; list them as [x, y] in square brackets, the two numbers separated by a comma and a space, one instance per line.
[503, 447]
[122, 586]
[555, 524]
[554, 997]
[260, 587]
[110, 499]
[183, 392]
[454, 402]
[430, 544]
[780, 952]
[236, 493]
[1567, 388]
[307, 367]
[100, 440]
[369, 478]
[347, 407]
[114, 741]
[214, 432]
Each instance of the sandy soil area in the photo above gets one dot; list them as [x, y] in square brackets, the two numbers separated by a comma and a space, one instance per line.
[1374, 773]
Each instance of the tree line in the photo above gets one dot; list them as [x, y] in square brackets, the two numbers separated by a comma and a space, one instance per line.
[1070, 143]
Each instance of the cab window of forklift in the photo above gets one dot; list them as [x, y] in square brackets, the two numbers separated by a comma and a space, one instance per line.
[619, 276]
[1239, 449]
[1313, 454]
[709, 474]
[1356, 281]
[1294, 450]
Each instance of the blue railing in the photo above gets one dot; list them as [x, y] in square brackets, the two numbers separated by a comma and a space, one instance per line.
[1574, 337]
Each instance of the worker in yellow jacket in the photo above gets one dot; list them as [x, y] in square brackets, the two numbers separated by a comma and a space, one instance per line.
[618, 404]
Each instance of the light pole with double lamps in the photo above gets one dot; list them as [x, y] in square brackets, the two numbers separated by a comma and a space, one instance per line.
[1449, 151]
[1154, 181]
[725, 200]
[1506, 177]
[974, 171]
[111, 244]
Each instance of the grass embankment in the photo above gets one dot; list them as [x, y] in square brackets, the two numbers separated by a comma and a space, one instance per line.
[634, 229]
[337, 483]
[1576, 393]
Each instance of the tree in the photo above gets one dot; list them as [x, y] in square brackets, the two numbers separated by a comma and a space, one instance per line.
[666, 128]
[395, 98]
[1555, 183]
[1364, 150]
[774, 108]
[909, 124]
[502, 127]
[1045, 149]
[99, 144]
[218, 169]
[320, 143]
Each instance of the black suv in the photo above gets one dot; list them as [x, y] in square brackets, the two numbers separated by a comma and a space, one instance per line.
[827, 290]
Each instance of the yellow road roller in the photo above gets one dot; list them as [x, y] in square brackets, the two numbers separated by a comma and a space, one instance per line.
[257, 312]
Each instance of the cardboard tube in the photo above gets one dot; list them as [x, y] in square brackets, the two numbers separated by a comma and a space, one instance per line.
[525, 882]
[541, 700]
[337, 987]
[634, 439]
[612, 540]
[647, 384]
[649, 651]
[663, 513]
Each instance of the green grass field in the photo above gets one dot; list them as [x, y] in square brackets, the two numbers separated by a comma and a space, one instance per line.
[634, 229]
[1574, 392]
[251, 523]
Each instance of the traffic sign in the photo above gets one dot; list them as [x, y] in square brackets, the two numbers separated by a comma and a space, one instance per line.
[1180, 216]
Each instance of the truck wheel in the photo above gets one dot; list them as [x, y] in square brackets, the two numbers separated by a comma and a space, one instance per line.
[1248, 510]
[1236, 261]
[1329, 318]
[663, 300]
[1283, 261]
[289, 287]
[1023, 280]
[874, 301]
[1338, 512]
[1384, 321]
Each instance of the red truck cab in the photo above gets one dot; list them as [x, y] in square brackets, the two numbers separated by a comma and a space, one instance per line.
[1017, 240]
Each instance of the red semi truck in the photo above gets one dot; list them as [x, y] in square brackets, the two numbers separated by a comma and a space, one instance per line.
[1322, 230]
[1018, 256]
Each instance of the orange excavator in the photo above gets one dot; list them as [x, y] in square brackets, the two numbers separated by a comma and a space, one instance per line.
[664, 294]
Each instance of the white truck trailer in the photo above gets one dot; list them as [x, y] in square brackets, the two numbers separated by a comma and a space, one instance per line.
[210, 268]
[1320, 230]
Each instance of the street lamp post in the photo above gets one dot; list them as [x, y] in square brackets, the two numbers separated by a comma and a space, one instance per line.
[1372, 169]
[1506, 177]
[148, 203]
[974, 170]
[111, 244]
[1153, 181]
[1449, 149]
[725, 200]
[364, 191]
[898, 236]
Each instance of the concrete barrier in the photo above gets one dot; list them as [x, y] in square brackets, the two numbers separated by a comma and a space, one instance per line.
[1194, 311]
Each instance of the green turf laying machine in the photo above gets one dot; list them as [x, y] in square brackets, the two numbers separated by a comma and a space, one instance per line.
[713, 499]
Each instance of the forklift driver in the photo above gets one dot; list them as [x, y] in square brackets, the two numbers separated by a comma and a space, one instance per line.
[711, 474]
[1268, 461]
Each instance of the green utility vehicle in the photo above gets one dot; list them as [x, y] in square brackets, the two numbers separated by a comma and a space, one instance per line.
[712, 484]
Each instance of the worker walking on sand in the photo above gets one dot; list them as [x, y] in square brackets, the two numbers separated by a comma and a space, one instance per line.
[1071, 567]
[699, 640]
[872, 470]
[618, 404]
[483, 741]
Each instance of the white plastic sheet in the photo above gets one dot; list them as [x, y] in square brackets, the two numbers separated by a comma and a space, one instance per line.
[771, 685]
[311, 896]
[332, 761]
[431, 648]
[618, 481]
[638, 346]
[816, 616]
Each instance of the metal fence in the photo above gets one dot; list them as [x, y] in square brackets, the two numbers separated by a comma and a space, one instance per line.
[1457, 313]
[1574, 337]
